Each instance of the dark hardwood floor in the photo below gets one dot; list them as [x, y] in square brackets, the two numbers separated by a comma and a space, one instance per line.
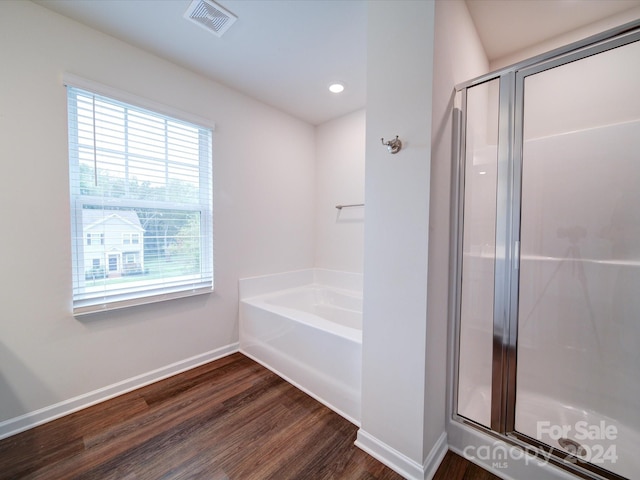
[231, 419]
[455, 467]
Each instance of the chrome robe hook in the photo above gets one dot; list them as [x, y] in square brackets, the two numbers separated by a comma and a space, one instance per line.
[393, 146]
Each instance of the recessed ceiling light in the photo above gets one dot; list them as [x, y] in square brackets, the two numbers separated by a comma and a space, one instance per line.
[336, 87]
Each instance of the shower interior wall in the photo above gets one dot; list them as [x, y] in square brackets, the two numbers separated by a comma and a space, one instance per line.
[580, 258]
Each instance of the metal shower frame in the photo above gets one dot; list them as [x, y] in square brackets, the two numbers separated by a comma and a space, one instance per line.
[507, 238]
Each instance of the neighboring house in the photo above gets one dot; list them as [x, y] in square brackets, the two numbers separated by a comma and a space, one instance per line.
[113, 243]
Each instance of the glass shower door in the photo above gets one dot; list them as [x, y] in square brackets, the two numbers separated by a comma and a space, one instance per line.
[578, 311]
[478, 252]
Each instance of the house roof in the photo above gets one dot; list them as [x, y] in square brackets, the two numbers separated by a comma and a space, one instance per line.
[92, 217]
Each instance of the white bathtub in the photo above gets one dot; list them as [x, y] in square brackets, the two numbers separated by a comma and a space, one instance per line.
[306, 326]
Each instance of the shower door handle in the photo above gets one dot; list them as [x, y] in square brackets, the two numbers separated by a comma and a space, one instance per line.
[516, 255]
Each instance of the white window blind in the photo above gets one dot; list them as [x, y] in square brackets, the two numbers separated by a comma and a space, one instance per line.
[141, 204]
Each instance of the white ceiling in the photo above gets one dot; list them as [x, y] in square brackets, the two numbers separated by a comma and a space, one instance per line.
[282, 52]
[285, 52]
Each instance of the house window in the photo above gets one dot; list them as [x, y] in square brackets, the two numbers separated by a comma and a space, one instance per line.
[95, 238]
[145, 180]
[131, 239]
[130, 258]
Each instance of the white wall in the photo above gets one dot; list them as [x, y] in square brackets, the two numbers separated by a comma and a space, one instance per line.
[459, 56]
[397, 192]
[264, 211]
[340, 180]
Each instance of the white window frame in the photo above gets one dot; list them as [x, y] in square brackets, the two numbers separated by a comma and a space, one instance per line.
[95, 239]
[86, 301]
[128, 238]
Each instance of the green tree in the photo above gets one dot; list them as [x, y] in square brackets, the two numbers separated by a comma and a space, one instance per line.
[187, 245]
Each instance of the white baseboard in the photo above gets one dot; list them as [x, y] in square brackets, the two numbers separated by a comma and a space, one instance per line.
[29, 420]
[435, 457]
[399, 462]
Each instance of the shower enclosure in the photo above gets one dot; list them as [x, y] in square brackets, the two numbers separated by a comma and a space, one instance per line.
[547, 262]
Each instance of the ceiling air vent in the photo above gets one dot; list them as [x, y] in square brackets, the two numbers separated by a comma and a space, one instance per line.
[210, 15]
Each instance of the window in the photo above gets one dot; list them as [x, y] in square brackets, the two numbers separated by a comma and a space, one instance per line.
[131, 239]
[144, 181]
[130, 258]
[95, 239]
